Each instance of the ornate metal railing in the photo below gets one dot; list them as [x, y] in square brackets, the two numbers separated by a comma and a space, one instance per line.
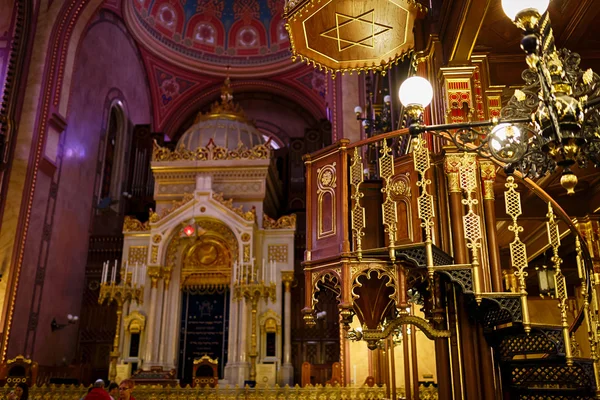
[59, 392]
[418, 188]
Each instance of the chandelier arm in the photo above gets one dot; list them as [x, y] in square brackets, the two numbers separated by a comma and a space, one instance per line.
[592, 104]
[466, 145]
[417, 129]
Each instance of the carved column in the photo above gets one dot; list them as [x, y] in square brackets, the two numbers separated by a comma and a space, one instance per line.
[488, 176]
[451, 166]
[287, 370]
[154, 273]
[465, 352]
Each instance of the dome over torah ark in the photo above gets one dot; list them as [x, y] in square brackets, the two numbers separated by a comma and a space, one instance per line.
[224, 126]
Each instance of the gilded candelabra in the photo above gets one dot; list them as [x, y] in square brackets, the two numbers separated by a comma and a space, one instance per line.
[252, 290]
[130, 288]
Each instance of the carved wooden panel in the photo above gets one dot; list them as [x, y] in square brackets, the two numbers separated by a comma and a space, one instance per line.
[327, 202]
[405, 193]
[374, 235]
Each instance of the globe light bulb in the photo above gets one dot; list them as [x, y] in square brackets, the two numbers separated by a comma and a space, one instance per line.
[416, 91]
[507, 143]
[513, 7]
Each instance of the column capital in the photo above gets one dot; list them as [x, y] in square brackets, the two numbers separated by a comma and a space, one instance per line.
[155, 272]
[488, 176]
[452, 164]
[287, 277]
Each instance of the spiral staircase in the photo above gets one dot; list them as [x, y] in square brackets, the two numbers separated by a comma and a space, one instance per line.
[536, 359]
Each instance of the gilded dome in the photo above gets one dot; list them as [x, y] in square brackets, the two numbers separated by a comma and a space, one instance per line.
[225, 125]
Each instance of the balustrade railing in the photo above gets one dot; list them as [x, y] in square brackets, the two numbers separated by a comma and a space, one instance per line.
[59, 392]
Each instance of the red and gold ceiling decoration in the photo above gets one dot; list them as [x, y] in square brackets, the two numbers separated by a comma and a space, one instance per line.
[351, 35]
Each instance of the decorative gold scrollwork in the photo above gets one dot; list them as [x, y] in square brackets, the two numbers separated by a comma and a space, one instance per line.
[132, 224]
[560, 283]
[388, 208]
[177, 204]
[358, 212]
[518, 251]
[471, 221]
[284, 222]
[249, 215]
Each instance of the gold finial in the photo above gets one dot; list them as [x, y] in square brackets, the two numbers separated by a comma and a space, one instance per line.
[226, 108]
[568, 180]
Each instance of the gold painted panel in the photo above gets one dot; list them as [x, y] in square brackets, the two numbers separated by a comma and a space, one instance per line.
[137, 254]
[278, 253]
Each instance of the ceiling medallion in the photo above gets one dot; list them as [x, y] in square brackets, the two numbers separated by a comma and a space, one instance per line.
[345, 36]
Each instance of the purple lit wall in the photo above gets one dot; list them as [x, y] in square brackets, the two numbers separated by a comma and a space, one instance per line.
[107, 68]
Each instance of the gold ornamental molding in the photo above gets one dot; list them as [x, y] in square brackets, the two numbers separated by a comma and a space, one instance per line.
[249, 215]
[211, 152]
[206, 358]
[132, 224]
[345, 36]
[135, 322]
[155, 217]
[284, 222]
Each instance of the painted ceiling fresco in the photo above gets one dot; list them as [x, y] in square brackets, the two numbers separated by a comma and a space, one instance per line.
[235, 33]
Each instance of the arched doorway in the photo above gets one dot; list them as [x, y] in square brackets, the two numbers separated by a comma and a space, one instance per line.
[206, 272]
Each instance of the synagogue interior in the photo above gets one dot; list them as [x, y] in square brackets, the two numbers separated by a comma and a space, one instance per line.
[300, 199]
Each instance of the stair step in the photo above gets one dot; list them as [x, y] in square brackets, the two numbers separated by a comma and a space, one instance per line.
[513, 341]
[500, 308]
[416, 255]
[553, 394]
[524, 374]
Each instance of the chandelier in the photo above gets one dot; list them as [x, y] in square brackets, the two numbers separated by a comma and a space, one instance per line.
[551, 123]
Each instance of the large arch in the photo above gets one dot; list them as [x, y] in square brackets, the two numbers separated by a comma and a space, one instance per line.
[279, 94]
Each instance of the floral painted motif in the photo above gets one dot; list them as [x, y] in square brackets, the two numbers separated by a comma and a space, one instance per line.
[171, 87]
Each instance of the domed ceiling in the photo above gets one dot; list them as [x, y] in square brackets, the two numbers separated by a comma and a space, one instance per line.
[248, 36]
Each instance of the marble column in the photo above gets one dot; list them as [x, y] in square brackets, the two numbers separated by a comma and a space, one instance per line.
[287, 370]
[123, 352]
[162, 349]
[154, 273]
[244, 365]
[232, 347]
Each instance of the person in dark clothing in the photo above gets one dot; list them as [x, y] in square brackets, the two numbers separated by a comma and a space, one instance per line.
[113, 390]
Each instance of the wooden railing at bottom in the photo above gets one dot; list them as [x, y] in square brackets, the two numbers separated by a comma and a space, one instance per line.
[60, 392]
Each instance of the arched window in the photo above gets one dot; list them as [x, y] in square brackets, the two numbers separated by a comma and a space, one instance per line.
[112, 153]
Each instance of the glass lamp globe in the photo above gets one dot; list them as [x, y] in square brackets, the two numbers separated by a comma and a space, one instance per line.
[507, 143]
[513, 7]
[416, 91]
